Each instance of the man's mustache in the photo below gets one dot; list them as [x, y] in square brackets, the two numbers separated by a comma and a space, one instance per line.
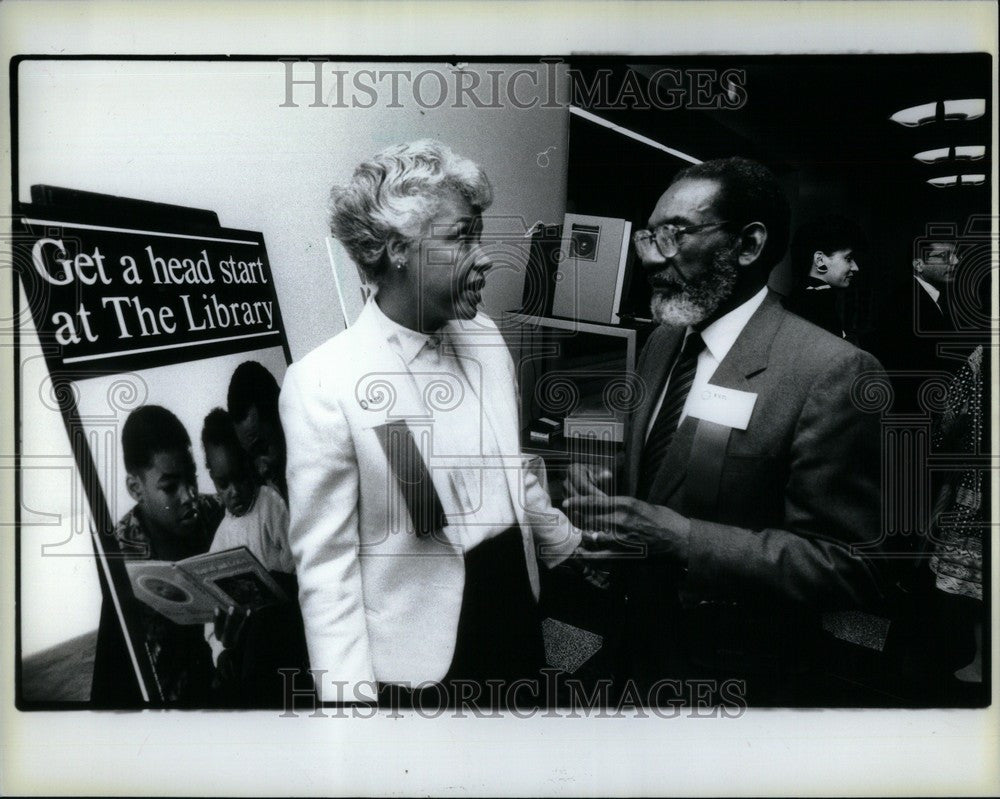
[668, 277]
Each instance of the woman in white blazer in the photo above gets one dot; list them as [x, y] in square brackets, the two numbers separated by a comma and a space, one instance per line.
[415, 527]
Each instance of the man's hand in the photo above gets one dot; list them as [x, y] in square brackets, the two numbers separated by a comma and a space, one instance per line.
[585, 480]
[628, 526]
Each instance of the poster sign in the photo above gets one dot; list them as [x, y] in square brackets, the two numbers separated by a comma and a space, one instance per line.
[117, 298]
[142, 314]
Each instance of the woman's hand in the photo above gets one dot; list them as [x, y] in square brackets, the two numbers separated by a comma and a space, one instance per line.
[578, 564]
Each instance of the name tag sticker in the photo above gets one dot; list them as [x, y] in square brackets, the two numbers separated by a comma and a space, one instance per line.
[722, 405]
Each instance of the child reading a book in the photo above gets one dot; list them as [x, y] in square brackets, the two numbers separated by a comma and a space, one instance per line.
[170, 521]
[256, 515]
[249, 650]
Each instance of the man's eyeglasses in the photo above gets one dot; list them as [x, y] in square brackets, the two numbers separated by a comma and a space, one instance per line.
[665, 237]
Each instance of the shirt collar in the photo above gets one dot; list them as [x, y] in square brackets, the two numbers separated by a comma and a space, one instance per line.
[815, 284]
[933, 292]
[405, 342]
[720, 336]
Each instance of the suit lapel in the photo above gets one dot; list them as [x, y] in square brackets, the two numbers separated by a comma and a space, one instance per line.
[751, 351]
[747, 357]
[661, 352]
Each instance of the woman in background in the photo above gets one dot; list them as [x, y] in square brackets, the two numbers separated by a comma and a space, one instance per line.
[824, 260]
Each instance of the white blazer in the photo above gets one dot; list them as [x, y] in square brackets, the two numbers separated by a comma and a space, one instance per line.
[380, 603]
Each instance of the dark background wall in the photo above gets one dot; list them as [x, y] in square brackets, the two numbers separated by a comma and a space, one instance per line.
[822, 123]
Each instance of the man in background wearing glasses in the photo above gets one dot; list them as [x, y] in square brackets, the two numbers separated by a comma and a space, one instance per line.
[750, 467]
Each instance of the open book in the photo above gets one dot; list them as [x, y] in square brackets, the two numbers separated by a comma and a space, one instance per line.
[189, 591]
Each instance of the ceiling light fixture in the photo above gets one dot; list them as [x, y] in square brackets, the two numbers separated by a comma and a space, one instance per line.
[970, 153]
[954, 180]
[944, 110]
[916, 115]
[964, 153]
[933, 156]
[964, 109]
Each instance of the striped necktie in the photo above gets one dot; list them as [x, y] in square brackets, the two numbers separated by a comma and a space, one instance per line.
[662, 432]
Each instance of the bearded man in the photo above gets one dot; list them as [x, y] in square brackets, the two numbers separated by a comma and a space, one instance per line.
[748, 502]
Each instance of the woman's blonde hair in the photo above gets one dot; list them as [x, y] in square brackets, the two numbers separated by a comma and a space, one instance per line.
[396, 193]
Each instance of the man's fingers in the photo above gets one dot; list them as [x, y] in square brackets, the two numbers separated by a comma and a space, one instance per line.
[593, 503]
[603, 539]
[587, 480]
[608, 540]
[586, 517]
[596, 513]
[597, 555]
[576, 475]
[600, 478]
[590, 480]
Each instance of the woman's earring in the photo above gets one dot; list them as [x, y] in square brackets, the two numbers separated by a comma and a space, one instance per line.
[399, 264]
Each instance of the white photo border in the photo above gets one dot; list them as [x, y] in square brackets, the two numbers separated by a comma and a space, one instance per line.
[897, 752]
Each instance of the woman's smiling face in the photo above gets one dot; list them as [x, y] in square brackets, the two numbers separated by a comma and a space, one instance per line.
[447, 266]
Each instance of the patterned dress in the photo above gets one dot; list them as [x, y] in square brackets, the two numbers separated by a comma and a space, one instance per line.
[958, 517]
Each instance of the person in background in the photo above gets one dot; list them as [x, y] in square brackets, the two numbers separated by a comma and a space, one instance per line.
[934, 268]
[414, 525]
[170, 521]
[248, 651]
[252, 402]
[824, 259]
[939, 636]
[917, 319]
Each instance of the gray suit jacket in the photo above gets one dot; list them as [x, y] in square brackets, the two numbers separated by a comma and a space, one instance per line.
[774, 508]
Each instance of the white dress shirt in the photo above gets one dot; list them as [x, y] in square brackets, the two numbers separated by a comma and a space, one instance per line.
[719, 338]
[932, 292]
[464, 461]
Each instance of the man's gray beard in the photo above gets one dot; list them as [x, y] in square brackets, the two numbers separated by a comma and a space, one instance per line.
[692, 303]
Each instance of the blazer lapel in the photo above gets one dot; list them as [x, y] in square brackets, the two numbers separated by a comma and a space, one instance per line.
[660, 354]
[747, 357]
[493, 382]
[751, 351]
[385, 386]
